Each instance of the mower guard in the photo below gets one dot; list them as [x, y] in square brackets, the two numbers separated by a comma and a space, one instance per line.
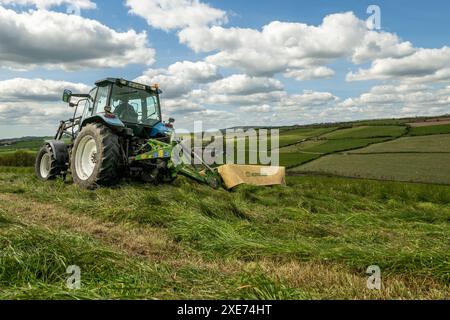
[234, 175]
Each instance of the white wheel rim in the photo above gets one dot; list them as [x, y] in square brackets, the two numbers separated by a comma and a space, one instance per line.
[45, 166]
[86, 158]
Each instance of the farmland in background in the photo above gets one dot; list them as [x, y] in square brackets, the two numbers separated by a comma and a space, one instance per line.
[430, 130]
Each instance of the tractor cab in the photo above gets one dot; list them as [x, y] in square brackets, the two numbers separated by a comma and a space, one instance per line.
[125, 106]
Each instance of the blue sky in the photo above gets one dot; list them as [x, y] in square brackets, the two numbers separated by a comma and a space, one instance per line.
[218, 81]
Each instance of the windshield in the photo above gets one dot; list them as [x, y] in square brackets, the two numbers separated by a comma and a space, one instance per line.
[134, 105]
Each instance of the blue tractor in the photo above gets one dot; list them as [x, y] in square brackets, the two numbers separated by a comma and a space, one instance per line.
[120, 133]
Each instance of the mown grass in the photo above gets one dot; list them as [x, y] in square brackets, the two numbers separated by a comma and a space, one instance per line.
[34, 260]
[342, 224]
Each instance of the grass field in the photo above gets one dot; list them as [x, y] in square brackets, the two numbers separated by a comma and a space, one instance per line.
[288, 137]
[312, 239]
[291, 160]
[364, 132]
[437, 143]
[427, 168]
[33, 144]
[331, 146]
[21, 158]
[335, 140]
[430, 130]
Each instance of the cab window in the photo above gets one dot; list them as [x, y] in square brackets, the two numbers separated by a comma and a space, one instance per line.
[101, 100]
[134, 105]
[88, 105]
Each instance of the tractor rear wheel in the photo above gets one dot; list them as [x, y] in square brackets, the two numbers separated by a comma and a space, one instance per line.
[46, 167]
[96, 157]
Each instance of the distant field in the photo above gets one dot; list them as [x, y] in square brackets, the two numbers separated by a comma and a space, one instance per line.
[296, 135]
[32, 144]
[436, 143]
[326, 141]
[430, 122]
[382, 122]
[366, 132]
[430, 130]
[330, 146]
[290, 160]
[428, 168]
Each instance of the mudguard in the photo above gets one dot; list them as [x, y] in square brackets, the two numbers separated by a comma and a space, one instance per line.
[159, 130]
[101, 118]
[60, 152]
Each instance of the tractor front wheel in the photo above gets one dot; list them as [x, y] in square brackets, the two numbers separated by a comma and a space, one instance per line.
[45, 167]
[96, 157]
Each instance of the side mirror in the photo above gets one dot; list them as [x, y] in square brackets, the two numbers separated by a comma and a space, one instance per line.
[67, 95]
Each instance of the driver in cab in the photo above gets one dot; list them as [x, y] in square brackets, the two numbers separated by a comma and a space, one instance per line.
[126, 112]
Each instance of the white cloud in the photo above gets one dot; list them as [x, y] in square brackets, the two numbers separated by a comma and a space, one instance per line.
[20, 89]
[307, 99]
[309, 74]
[46, 4]
[176, 14]
[299, 50]
[181, 77]
[384, 101]
[422, 66]
[44, 114]
[240, 90]
[36, 102]
[56, 40]
[241, 84]
[259, 109]
[200, 72]
[377, 45]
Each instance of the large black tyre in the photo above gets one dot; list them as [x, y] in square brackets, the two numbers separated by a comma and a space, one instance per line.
[96, 157]
[46, 167]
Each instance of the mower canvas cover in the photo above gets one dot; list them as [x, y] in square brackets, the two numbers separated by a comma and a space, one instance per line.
[234, 175]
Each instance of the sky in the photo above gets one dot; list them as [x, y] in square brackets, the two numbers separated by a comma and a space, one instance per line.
[227, 63]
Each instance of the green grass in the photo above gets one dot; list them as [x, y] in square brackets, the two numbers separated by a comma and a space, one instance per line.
[331, 146]
[430, 130]
[288, 137]
[20, 158]
[436, 143]
[32, 144]
[312, 239]
[291, 160]
[362, 132]
[410, 167]
[344, 224]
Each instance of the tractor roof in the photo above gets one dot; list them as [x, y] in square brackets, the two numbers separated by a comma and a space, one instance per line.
[153, 87]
